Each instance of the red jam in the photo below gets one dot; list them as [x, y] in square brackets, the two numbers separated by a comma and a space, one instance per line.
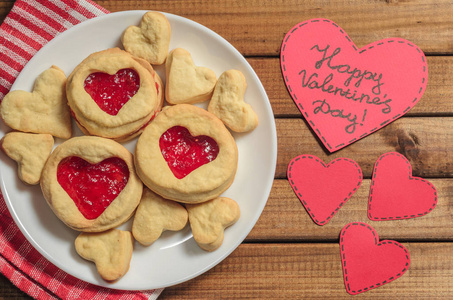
[155, 83]
[92, 187]
[184, 152]
[111, 92]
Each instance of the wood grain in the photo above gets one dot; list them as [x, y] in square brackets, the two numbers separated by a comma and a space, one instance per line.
[313, 271]
[9, 291]
[286, 255]
[5, 7]
[284, 219]
[426, 141]
[256, 28]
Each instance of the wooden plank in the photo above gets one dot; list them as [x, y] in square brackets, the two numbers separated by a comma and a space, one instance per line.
[5, 8]
[301, 271]
[257, 27]
[426, 142]
[435, 101]
[10, 291]
[285, 219]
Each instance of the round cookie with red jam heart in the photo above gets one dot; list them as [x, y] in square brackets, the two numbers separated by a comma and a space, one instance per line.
[186, 154]
[91, 184]
[113, 94]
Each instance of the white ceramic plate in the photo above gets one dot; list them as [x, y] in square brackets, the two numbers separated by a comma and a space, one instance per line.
[175, 257]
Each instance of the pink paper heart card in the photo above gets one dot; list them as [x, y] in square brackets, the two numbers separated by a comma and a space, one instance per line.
[395, 194]
[346, 93]
[367, 262]
[323, 188]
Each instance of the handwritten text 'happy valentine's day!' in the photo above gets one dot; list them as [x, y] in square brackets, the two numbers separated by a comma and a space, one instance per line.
[344, 82]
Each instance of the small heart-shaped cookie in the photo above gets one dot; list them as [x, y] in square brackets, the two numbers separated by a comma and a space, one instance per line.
[155, 215]
[42, 111]
[30, 151]
[150, 40]
[208, 221]
[187, 83]
[227, 102]
[110, 250]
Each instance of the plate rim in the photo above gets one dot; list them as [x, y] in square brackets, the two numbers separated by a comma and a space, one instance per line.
[268, 184]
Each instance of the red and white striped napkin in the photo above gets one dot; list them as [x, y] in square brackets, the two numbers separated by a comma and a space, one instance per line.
[28, 27]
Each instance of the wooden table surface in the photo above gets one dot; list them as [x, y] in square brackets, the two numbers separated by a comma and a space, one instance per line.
[286, 255]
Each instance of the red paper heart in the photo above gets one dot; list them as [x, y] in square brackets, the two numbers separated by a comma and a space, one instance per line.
[184, 152]
[347, 93]
[368, 263]
[92, 187]
[323, 189]
[111, 92]
[395, 194]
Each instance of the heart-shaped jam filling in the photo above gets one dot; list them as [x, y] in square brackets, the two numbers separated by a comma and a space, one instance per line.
[92, 187]
[184, 152]
[111, 92]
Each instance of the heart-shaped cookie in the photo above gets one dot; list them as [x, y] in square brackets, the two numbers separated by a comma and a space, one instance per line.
[186, 139]
[110, 250]
[184, 152]
[368, 263]
[30, 151]
[346, 93]
[227, 102]
[208, 221]
[187, 83]
[92, 187]
[150, 40]
[155, 215]
[395, 194]
[323, 189]
[44, 110]
[111, 92]
[90, 183]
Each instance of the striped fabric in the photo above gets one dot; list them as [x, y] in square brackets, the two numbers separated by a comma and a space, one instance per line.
[33, 23]
[28, 27]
